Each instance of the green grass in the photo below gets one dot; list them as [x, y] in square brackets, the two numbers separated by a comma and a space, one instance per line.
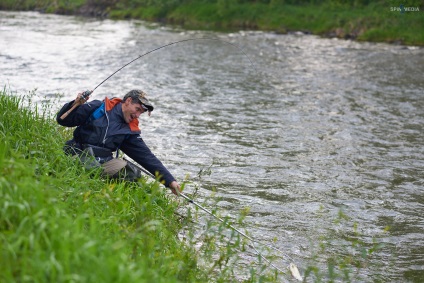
[59, 223]
[373, 22]
[360, 19]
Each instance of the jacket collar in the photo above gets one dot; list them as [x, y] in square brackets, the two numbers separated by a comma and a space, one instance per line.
[110, 103]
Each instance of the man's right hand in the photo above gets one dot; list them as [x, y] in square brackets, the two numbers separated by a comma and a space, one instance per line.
[82, 97]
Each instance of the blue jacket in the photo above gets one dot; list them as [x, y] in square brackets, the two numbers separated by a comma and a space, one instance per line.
[112, 132]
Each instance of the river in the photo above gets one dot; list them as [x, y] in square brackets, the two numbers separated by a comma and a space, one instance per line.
[321, 138]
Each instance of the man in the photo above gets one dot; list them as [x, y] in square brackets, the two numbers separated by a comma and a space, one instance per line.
[112, 125]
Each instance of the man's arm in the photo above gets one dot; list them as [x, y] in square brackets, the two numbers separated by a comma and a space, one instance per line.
[136, 148]
[79, 116]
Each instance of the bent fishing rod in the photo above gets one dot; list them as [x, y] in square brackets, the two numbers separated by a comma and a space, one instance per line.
[292, 267]
[84, 96]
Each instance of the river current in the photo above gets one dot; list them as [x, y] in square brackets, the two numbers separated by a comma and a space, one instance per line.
[321, 138]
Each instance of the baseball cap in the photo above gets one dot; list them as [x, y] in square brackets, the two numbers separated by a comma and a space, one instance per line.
[141, 96]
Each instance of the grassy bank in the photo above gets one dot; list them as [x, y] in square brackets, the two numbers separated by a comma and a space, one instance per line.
[378, 21]
[59, 223]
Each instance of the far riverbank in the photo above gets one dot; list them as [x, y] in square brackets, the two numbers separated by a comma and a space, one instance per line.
[398, 22]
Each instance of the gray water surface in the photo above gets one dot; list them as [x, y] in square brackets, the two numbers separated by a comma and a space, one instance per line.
[299, 128]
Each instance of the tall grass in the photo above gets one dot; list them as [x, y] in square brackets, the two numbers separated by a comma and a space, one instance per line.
[59, 223]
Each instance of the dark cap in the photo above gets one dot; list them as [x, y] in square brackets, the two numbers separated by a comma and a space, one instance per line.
[140, 97]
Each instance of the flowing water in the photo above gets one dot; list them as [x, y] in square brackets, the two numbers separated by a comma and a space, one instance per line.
[301, 129]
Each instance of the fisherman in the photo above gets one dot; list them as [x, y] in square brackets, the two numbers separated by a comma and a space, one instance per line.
[112, 125]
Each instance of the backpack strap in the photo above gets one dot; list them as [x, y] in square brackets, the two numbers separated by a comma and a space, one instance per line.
[99, 112]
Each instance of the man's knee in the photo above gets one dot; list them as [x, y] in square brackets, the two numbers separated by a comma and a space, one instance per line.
[112, 167]
[121, 169]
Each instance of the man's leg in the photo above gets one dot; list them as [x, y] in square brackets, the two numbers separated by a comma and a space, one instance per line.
[121, 169]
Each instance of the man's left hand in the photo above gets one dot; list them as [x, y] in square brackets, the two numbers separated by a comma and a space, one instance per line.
[175, 188]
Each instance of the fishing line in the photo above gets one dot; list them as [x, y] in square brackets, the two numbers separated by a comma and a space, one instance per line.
[292, 267]
[172, 43]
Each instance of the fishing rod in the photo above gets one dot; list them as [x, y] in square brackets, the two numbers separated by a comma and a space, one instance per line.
[292, 267]
[84, 96]
[235, 229]
[172, 43]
